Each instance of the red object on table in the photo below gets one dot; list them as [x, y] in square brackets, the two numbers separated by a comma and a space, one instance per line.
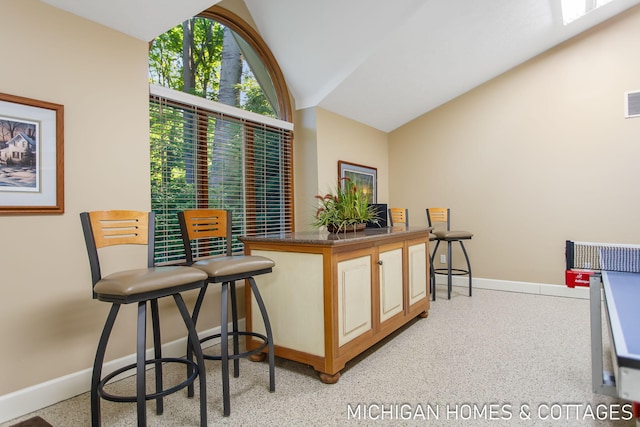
[577, 277]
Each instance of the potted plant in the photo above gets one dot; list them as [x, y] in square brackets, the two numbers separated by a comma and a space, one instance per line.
[348, 209]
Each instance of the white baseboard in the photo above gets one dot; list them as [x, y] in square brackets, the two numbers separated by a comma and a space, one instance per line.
[580, 292]
[41, 395]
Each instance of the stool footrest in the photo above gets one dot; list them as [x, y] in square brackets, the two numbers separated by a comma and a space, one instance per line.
[115, 398]
[240, 355]
[454, 271]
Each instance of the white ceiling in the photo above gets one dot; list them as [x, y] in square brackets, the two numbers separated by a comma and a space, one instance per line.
[380, 62]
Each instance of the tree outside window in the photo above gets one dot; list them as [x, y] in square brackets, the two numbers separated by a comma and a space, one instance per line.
[203, 160]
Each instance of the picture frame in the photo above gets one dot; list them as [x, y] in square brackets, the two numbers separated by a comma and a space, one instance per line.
[31, 156]
[363, 176]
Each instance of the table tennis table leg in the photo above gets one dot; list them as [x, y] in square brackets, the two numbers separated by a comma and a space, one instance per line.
[635, 406]
[601, 381]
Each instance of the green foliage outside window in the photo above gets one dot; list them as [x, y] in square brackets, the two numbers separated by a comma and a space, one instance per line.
[205, 70]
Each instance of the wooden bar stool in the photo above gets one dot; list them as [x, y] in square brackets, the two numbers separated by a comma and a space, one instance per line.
[442, 216]
[139, 286]
[207, 238]
[399, 216]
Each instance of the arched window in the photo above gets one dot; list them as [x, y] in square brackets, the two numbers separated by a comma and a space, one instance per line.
[220, 127]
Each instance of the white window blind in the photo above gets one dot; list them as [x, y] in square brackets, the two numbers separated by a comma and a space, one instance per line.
[209, 155]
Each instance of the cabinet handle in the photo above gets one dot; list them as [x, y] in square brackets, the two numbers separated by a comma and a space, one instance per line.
[379, 262]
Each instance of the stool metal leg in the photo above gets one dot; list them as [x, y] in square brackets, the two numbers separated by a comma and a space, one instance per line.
[140, 364]
[435, 250]
[432, 279]
[234, 320]
[194, 317]
[157, 353]
[194, 343]
[269, 333]
[224, 348]
[449, 279]
[97, 365]
[464, 251]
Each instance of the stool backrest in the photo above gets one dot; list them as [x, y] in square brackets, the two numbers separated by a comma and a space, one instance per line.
[205, 224]
[116, 227]
[439, 215]
[399, 216]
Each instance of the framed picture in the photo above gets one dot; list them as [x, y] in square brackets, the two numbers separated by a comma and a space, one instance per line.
[364, 177]
[31, 156]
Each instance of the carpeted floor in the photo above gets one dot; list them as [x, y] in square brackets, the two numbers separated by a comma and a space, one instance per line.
[496, 358]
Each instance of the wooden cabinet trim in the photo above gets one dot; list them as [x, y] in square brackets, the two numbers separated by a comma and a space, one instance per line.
[337, 356]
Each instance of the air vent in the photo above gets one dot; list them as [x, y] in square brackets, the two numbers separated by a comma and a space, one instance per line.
[632, 104]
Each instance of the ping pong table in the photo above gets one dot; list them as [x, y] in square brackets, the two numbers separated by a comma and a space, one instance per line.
[621, 291]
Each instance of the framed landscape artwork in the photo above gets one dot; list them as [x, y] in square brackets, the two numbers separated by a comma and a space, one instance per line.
[364, 177]
[31, 156]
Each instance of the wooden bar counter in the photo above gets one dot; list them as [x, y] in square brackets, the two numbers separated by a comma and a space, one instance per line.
[332, 296]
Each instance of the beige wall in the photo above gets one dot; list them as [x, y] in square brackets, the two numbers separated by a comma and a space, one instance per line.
[50, 325]
[305, 167]
[100, 76]
[322, 139]
[537, 156]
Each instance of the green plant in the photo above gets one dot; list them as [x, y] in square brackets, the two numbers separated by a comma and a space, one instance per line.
[347, 206]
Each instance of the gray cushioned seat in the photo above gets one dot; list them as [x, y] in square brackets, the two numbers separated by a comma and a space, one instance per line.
[132, 282]
[233, 265]
[452, 235]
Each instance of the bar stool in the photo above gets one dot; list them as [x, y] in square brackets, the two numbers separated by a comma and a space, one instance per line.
[399, 216]
[443, 216]
[202, 232]
[141, 286]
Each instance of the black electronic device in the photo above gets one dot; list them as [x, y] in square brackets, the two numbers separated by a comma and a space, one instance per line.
[381, 211]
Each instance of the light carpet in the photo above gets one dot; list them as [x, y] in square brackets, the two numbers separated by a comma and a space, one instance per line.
[495, 358]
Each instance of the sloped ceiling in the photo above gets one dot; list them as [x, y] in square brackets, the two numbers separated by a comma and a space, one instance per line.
[380, 62]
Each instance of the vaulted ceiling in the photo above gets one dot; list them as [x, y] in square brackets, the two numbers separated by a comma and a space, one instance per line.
[380, 62]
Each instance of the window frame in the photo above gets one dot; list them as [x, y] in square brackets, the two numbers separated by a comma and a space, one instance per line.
[251, 36]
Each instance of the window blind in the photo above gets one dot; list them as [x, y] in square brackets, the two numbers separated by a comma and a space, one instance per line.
[209, 155]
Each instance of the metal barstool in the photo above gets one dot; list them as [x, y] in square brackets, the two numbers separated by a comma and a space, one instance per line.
[443, 216]
[201, 230]
[141, 286]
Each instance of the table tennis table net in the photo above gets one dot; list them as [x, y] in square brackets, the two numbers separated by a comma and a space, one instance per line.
[603, 256]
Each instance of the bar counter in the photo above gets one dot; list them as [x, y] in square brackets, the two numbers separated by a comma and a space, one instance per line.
[332, 296]
[321, 237]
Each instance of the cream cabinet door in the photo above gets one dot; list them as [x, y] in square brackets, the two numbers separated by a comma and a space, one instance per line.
[417, 272]
[354, 298]
[390, 269]
[292, 292]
